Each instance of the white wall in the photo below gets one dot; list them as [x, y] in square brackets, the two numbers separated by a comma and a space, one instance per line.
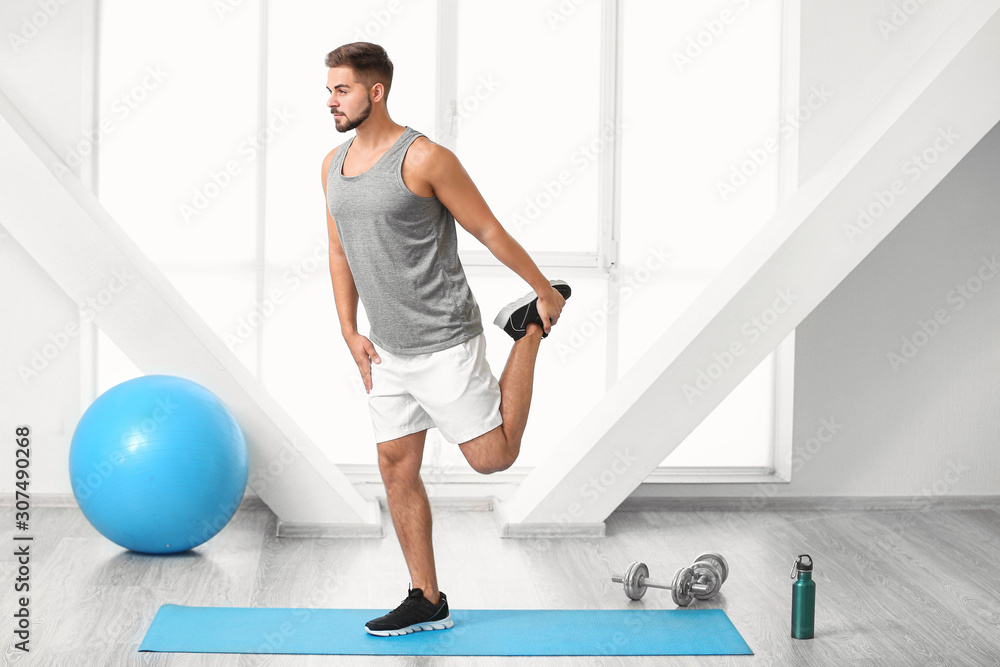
[929, 426]
[45, 64]
[905, 353]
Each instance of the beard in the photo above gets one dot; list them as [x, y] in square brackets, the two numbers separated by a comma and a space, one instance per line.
[349, 123]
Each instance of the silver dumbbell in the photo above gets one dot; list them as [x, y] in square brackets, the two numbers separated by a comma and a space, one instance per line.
[702, 580]
[721, 567]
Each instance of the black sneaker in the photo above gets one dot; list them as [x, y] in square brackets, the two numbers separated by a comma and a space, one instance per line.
[517, 315]
[413, 614]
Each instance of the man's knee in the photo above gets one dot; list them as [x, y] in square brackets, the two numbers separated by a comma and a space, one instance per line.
[491, 466]
[401, 481]
[489, 461]
[396, 467]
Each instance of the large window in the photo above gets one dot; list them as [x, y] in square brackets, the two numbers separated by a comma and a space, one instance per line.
[527, 101]
[700, 100]
[215, 171]
[178, 171]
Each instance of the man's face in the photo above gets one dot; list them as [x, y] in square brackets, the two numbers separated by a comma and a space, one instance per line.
[349, 101]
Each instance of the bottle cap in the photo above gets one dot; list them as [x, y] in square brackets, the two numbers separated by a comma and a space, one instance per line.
[801, 566]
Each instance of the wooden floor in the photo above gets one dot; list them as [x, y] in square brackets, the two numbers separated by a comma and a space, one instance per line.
[893, 587]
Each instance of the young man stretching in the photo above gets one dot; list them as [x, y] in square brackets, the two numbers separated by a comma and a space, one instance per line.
[392, 200]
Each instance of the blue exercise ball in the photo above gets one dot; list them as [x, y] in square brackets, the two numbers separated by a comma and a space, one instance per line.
[158, 464]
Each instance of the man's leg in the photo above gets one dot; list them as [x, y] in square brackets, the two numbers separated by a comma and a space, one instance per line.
[498, 449]
[399, 462]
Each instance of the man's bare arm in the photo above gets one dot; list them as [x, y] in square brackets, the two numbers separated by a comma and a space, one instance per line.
[345, 295]
[455, 189]
[345, 292]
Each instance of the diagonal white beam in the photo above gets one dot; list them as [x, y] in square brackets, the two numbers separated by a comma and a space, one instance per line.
[60, 223]
[940, 110]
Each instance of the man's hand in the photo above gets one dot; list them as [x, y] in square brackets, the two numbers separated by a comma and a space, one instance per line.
[364, 353]
[550, 305]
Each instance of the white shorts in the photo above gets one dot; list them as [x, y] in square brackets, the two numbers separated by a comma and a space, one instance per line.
[452, 389]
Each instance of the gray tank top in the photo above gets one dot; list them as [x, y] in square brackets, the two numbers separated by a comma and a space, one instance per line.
[403, 253]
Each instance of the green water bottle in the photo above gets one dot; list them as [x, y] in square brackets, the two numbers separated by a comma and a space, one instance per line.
[803, 598]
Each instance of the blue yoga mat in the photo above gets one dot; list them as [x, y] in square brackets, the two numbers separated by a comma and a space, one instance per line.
[522, 632]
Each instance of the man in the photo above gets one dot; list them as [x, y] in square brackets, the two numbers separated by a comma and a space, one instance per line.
[393, 197]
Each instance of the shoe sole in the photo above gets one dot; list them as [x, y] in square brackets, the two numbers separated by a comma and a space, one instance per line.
[443, 624]
[501, 319]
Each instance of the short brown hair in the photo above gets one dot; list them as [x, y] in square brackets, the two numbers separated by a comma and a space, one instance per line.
[369, 62]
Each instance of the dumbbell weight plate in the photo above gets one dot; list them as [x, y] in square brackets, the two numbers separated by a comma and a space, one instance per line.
[719, 562]
[680, 588]
[706, 572]
[632, 580]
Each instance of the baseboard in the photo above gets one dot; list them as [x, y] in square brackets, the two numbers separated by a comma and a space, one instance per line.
[455, 500]
[361, 474]
[371, 528]
[249, 502]
[533, 530]
[807, 503]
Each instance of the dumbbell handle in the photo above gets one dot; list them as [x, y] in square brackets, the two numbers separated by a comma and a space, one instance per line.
[697, 587]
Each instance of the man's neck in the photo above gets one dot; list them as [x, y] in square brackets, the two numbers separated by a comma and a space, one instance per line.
[376, 133]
